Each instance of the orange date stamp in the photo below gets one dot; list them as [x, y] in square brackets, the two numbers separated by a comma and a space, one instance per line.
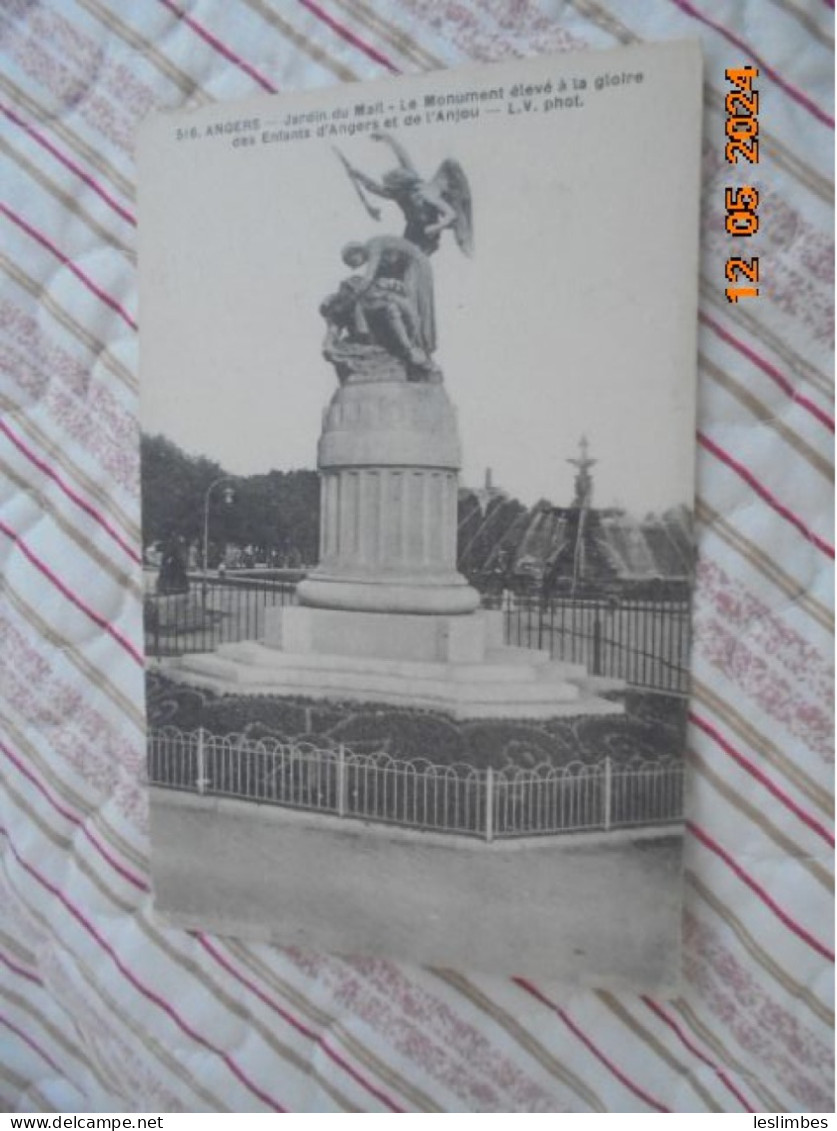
[742, 145]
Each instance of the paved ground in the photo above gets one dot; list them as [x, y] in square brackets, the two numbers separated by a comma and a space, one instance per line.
[590, 907]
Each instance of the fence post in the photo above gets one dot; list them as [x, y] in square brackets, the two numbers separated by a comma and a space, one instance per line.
[597, 644]
[608, 787]
[152, 621]
[489, 805]
[341, 780]
[201, 780]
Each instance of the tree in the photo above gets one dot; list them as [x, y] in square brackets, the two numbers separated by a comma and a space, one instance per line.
[173, 488]
[278, 512]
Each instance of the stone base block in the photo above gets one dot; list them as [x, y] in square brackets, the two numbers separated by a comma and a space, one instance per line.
[444, 594]
[296, 629]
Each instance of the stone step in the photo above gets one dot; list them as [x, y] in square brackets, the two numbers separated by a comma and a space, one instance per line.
[499, 667]
[421, 696]
[463, 690]
[205, 663]
[514, 654]
[540, 658]
[602, 685]
[445, 682]
[511, 682]
[561, 669]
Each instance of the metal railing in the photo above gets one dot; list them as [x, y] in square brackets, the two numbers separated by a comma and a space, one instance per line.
[644, 641]
[461, 799]
[215, 611]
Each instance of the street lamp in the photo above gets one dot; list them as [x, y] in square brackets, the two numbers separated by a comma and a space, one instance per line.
[229, 495]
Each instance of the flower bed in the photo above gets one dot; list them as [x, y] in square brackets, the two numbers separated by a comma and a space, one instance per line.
[652, 727]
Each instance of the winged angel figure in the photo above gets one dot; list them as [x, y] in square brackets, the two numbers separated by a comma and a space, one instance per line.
[429, 207]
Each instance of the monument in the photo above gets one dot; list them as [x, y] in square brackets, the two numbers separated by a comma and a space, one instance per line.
[386, 617]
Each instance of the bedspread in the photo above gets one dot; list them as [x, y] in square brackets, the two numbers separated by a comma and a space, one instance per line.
[103, 1009]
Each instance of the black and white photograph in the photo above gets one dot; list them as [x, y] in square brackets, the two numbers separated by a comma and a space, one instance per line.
[418, 416]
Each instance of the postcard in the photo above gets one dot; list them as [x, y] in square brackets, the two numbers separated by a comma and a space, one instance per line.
[418, 365]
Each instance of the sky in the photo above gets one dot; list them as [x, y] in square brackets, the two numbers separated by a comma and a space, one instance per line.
[576, 314]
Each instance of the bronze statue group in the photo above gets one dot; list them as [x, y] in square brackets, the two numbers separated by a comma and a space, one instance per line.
[381, 323]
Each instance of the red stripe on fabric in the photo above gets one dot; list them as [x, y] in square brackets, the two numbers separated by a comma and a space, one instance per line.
[526, 985]
[770, 371]
[70, 493]
[150, 995]
[795, 94]
[19, 970]
[71, 165]
[751, 481]
[137, 881]
[62, 258]
[32, 1044]
[216, 43]
[696, 1051]
[790, 923]
[298, 1025]
[755, 772]
[68, 593]
[348, 35]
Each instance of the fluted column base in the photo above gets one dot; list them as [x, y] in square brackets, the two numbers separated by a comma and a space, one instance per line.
[447, 594]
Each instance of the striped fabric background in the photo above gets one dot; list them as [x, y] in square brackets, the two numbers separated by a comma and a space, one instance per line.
[102, 1009]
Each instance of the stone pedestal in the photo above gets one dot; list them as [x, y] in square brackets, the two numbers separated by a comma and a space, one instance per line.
[389, 459]
[386, 617]
[427, 637]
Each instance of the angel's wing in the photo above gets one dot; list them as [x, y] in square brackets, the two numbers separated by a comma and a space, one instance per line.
[452, 185]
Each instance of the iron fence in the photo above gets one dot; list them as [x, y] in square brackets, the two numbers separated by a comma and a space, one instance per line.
[644, 641]
[214, 611]
[461, 799]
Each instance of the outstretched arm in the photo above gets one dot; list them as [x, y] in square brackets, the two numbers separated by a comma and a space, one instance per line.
[397, 148]
[358, 178]
[370, 184]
